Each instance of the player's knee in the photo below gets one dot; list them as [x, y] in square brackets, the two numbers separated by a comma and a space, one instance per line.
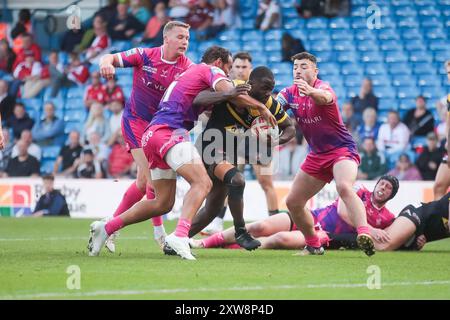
[204, 185]
[235, 182]
[266, 184]
[279, 240]
[294, 204]
[257, 229]
[344, 189]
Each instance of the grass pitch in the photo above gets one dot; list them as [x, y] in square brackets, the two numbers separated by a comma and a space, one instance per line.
[35, 255]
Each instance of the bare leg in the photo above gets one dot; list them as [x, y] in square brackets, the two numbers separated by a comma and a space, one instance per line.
[284, 240]
[400, 231]
[266, 182]
[442, 182]
[303, 188]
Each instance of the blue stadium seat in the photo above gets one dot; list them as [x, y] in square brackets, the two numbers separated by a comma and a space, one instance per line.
[33, 104]
[367, 45]
[234, 46]
[410, 34]
[338, 23]
[282, 68]
[317, 23]
[415, 44]
[289, 13]
[352, 92]
[74, 104]
[374, 68]
[405, 11]
[118, 45]
[193, 56]
[259, 59]
[328, 68]
[429, 12]
[351, 68]
[365, 34]
[50, 152]
[73, 125]
[441, 55]
[343, 45]
[359, 11]
[298, 34]
[34, 114]
[359, 24]
[353, 80]
[388, 34]
[47, 166]
[387, 104]
[273, 35]
[347, 56]
[371, 56]
[403, 80]
[398, 68]
[437, 44]
[287, 3]
[420, 56]
[294, 24]
[253, 46]
[435, 33]
[391, 45]
[282, 82]
[129, 71]
[75, 115]
[76, 92]
[395, 57]
[407, 23]
[400, 3]
[252, 35]
[275, 56]
[430, 22]
[272, 46]
[433, 92]
[320, 45]
[407, 92]
[426, 80]
[230, 35]
[423, 68]
[407, 104]
[424, 3]
[381, 79]
[323, 56]
[384, 92]
[341, 35]
[248, 24]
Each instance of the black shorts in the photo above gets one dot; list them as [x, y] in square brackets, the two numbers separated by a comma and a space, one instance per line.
[415, 215]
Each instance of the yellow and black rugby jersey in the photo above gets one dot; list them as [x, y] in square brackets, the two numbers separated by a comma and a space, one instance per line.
[227, 117]
[448, 102]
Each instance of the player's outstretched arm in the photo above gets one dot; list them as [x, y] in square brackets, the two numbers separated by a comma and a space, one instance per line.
[319, 96]
[247, 102]
[288, 130]
[207, 97]
[108, 64]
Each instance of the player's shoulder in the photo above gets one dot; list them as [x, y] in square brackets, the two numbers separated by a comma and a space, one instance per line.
[323, 85]
[216, 70]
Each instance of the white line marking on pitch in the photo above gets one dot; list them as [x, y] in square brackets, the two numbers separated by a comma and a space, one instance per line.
[66, 238]
[185, 290]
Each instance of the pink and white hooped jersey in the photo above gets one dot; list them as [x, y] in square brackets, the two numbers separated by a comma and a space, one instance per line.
[175, 108]
[322, 126]
[152, 75]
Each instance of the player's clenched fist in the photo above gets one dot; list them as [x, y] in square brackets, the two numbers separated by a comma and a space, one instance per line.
[107, 70]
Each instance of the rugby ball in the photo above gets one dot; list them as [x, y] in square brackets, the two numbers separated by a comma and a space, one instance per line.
[262, 129]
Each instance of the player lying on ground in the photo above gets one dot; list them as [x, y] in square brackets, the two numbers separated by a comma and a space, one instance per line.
[280, 232]
[154, 70]
[223, 142]
[333, 153]
[168, 149]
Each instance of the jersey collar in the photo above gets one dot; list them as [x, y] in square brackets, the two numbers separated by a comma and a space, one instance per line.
[164, 60]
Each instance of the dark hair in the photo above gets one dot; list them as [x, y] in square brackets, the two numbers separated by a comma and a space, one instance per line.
[421, 97]
[88, 151]
[394, 182]
[260, 73]
[215, 52]
[243, 55]
[19, 104]
[24, 15]
[48, 177]
[304, 55]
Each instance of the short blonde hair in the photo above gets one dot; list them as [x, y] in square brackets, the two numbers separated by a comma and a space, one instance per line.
[172, 24]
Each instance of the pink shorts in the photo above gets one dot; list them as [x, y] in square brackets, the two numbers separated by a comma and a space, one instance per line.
[133, 129]
[321, 166]
[157, 141]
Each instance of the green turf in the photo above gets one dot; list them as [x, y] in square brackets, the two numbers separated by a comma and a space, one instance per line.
[34, 260]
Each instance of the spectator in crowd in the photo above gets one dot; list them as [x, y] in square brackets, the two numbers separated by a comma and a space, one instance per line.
[373, 163]
[96, 122]
[88, 167]
[7, 57]
[50, 130]
[68, 155]
[405, 170]
[19, 120]
[52, 202]
[75, 74]
[71, 39]
[95, 92]
[179, 9]
[242, 66]
[7, 101]
[225, 15]
[268, 15]
[365, 99]
[113, 92]
[107, 12]
[24, 165]
[200, 18]
[100, 149]
[138, 10]
[420, 121]
[23, 26]
[311, 8]
[334, 8]
[6, 152]
[101, 42]
[30, 73]
[430, 158]
[33, 149]
[370, 126]
[115, 121]
[153, 34]
[28, 48]
[120, 160]
[393, 136]
[290, 46]
[351, 121]
[124, 26]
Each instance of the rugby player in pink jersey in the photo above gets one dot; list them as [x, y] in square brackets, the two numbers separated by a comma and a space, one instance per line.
[333, 153]
[280, 232]
[154, 70]
[169, 152]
